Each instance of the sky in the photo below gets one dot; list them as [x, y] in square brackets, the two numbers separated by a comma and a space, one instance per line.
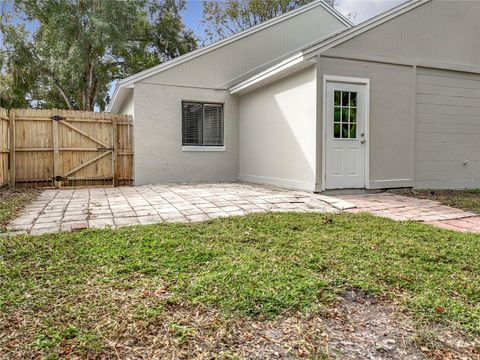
[364, 9]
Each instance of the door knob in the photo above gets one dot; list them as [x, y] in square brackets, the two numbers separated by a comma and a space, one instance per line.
[363, 141]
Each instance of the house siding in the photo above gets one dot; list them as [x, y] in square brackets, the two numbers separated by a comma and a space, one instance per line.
[157, 99]
[239, 59]
[440, 31]
[277, 132]
[158, 137]
[447, 129]
[424, 70]
[391, 141]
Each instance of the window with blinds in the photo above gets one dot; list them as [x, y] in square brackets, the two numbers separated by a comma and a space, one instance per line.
[202, 124]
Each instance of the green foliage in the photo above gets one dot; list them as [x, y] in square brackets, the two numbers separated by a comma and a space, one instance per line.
[225, 18]
[71, 286]
[77, 48]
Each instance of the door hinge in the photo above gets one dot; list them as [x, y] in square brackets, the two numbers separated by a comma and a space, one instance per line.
[105, 149]
[58, 178]
[57, 118]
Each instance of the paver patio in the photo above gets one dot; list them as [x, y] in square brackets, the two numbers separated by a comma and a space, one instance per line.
[74, 209]
[400, 208]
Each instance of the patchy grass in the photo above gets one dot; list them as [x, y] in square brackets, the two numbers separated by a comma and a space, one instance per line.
[11, 202]
[468, 200]
[76, 292]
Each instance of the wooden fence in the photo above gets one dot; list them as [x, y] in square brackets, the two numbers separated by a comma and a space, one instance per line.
[4, 147]
[63, 148]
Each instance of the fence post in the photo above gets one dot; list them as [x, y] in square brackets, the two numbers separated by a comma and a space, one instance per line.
[115, 150]
[12, 148]
[56, 152]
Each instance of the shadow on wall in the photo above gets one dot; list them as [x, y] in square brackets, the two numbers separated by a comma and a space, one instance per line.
[278, 132]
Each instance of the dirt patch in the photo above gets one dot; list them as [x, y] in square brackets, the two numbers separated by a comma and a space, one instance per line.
[357, 326]
[12, 201]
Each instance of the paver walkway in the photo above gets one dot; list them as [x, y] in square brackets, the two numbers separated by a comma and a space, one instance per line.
[398, 207]
[74, 209]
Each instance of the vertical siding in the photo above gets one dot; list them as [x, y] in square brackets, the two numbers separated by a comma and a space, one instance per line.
[446, 31]
[447, 129]
[219, 68]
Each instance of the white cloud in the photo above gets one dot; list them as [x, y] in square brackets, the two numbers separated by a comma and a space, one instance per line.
[365, 9]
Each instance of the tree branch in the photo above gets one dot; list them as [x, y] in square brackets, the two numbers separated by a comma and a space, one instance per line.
[64, 95]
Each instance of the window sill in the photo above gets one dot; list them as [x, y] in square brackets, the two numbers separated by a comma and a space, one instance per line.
[203, 148]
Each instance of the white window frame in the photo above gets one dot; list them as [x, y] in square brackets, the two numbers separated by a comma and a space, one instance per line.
[206, 148]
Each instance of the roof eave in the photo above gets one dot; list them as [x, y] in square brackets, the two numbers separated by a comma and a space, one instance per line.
[119, 95]
[282, 69]
[193, 54]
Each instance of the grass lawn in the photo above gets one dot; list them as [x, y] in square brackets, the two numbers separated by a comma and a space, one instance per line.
[76, 292]
[468, 200]
[11, 202]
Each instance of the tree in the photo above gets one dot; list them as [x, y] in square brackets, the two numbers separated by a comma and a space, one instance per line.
[78, 47]
[224, 18]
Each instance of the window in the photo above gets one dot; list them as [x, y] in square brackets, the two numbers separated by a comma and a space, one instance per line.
[345, 115]
[202, 124]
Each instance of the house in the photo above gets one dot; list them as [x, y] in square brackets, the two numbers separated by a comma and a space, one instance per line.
[308, 101]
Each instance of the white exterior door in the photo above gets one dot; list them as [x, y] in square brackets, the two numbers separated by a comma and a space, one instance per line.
[345, 135]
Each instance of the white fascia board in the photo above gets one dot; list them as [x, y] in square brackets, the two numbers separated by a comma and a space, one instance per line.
[264, 76]
[191, 55]
[118, 97]
[114, 97]
[308, 53]
[348, 34]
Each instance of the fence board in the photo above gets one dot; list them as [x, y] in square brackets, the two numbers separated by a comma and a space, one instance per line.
[78, 149]
[4, 147]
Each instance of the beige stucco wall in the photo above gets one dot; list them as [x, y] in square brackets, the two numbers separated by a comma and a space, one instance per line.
[158, 137]
[277, 132]
[157, 99]
[391, 126]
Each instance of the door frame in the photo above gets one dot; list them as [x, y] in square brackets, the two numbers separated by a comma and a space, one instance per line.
[353, 81]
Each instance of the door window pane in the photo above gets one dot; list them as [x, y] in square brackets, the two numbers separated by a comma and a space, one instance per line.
[353, 115]
[337, 96]
[353, 99]
[345, 114]
[336, 130]
[353, 131]
[337, 114]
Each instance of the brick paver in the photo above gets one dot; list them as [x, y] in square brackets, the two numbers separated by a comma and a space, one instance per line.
[402, 208]
[76, 209]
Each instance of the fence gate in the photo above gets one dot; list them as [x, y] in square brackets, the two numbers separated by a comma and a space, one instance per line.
[69, 148]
